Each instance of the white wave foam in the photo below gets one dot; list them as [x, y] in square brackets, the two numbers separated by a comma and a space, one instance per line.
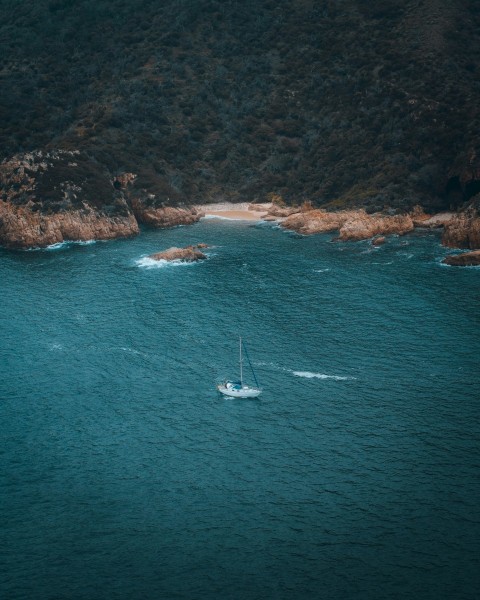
[309, 375]
[442, 264]
[223, 218]
[67, 244]
[320, 270]
[58, 246]
[150, 263]
[219, 217]
[305, 374]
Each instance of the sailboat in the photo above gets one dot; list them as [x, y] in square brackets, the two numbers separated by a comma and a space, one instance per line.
[238, 389]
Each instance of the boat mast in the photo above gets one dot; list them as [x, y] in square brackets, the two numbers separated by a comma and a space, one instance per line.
[241, 370]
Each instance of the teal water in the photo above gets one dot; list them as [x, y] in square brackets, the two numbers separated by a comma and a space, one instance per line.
[125, 476]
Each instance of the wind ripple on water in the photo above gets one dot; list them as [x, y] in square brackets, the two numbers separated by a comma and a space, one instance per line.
[354, 475]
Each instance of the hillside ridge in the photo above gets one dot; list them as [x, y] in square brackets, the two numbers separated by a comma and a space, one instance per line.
[343, 104]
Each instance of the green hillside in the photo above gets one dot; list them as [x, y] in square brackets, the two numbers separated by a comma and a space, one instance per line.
[339, 102]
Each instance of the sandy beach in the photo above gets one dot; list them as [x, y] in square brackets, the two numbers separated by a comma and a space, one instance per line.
[228, 210]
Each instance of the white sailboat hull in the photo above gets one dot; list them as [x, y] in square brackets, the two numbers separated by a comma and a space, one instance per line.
[237, 389]
[239, 392]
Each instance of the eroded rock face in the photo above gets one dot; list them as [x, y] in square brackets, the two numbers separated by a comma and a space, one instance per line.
[317, 221]
[188, 254]
[282, 211]
[62, 195]
[462, 231]
[364, 226]
[433, 221]
[352, 225]
[20, 227]
[164, 216]
[55, 196]
[468, 259]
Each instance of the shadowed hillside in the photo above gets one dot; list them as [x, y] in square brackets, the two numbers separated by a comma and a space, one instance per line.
[340, 102]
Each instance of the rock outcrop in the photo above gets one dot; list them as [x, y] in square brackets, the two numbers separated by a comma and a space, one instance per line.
[352, 225]
[462, 231]
[163, 217]
[21, 227]
[433, 221]
[188, 254]
[63, 195]
[317, 221]
[282, 211]
[364, 226]
[467, 259]
[56, 196]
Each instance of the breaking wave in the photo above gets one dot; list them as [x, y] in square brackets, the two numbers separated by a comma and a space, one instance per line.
[62, 245]
[150, 263]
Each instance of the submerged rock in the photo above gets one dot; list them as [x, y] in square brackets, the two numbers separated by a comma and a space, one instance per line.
[188, 254]
[468, 259]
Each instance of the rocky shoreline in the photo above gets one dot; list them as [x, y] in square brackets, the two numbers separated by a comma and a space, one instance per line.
[61, 195]
[56, 196]
[460, 230]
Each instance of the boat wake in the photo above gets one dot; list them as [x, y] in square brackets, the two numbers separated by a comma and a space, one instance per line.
[309, 375]
[306, 374]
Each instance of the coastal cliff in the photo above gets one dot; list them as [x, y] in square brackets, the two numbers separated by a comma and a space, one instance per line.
[20, 227]
[60, 195]
[462, 231]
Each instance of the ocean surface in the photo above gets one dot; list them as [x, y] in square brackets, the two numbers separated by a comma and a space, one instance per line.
[124, 475]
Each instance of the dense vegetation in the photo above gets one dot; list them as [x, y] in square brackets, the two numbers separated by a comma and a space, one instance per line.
[342, 102]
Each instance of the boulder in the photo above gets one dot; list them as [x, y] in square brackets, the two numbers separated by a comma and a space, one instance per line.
[433, 221]
[162, 217]
[256, 207]
[282, 211]
[317, 221]
[378, 241]
[188, 254]
[467, 259]
[462, 231]
[363, 226]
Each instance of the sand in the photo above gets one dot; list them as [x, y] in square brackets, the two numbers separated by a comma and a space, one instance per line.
[238, 212]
